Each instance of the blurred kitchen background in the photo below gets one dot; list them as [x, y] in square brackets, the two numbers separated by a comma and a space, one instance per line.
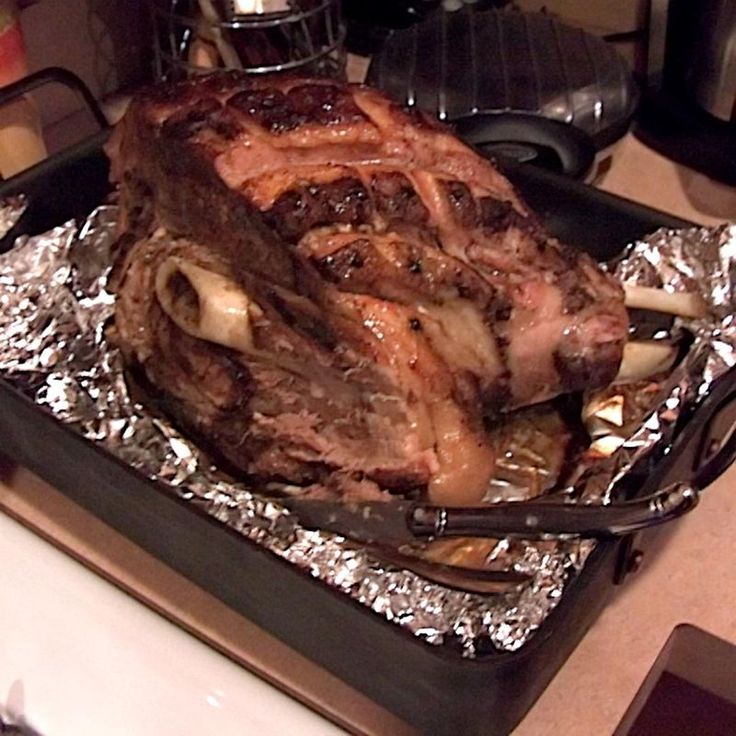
[555, 82]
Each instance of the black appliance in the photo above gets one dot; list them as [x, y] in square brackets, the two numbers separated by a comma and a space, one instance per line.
[518, 85]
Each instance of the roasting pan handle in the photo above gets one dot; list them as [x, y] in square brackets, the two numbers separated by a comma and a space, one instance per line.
[541, 520]
[41, 184]
[54, 75]
[712, 463]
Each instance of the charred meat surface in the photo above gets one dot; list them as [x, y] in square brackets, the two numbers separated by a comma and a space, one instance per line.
[336, 294]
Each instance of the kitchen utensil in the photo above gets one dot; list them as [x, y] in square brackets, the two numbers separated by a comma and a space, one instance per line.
[192, 36]
[692, 51]
[400, 523]
[477, 61]
[466, 579]
[213, 22]
[689, 104]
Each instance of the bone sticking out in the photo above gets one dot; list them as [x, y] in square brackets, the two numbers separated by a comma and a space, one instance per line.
[205, 304]
[681, 304]
[645, 358]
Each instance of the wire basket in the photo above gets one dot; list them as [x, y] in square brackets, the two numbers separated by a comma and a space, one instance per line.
[257, 36]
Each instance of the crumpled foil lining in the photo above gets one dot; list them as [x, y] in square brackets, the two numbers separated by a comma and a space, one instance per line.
[53, 312]
[11, 210]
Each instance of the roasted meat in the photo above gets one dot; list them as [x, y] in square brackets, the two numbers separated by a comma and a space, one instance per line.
[337, 293]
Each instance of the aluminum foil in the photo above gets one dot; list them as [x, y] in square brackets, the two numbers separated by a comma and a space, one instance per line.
[11, 210]
[54, 311]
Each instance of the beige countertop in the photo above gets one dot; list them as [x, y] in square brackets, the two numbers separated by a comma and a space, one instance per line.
[639, 173]
[691, 578]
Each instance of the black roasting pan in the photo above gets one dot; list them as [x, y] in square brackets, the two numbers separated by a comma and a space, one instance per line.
[430, 687]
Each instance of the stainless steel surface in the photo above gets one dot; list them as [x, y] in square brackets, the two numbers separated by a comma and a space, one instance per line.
[692, 53]
[711, 74]
[657, 41]
[195, 37]
[480, 60]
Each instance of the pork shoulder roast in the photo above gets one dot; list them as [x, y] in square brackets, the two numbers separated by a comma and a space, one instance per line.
[333, 292]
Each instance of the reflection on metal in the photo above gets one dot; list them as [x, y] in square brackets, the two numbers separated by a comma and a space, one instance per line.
[257, 36]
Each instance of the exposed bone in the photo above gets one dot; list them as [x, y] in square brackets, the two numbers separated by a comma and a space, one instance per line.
[210, 306]
[645, 358]
[682, 304]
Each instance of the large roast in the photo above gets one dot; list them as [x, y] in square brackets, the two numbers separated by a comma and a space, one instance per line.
[333, 292]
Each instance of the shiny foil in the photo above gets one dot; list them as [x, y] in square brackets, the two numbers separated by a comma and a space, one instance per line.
[54, 316]
[11, 210]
